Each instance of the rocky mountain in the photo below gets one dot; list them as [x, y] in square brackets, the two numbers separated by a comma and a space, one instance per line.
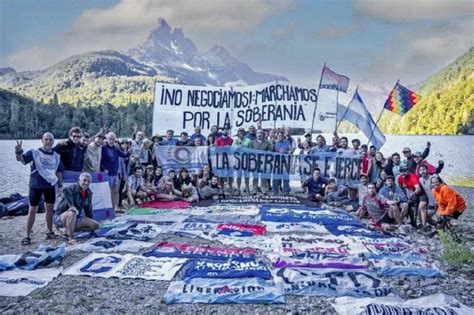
[6, 70]
[446, 106]
[172, 54]
[109, 76]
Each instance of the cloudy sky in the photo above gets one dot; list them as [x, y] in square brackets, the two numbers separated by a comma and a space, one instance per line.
[371, 41]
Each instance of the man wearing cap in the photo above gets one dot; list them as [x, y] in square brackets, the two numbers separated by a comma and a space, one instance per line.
[307, 137]
[93, 154]
[184, 140]
[242, 142]
[410, 161]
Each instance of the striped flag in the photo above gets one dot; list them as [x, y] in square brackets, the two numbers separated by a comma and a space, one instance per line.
[401, 100]
[102, 208]
[333, 81]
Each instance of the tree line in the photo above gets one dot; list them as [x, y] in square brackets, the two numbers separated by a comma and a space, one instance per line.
[23, 118]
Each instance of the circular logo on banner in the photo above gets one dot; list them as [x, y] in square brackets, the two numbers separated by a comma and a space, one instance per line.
[321, 117]
[181, 155]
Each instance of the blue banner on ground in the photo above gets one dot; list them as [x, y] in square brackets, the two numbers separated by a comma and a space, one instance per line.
[44, 256]
[307, 214]
[350, 230]
[403, 265]
[221, 291]
[231, 161]
[226, 269]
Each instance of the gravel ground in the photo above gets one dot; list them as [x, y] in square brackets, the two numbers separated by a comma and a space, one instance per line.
[76, 294]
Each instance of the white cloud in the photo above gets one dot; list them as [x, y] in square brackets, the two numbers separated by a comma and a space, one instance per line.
[415, 56]
[414, 10]
[128, 23]
[336, 32]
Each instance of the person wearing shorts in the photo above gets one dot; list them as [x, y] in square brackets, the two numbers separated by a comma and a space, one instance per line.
[45, 164]
[74, 211]
[450, 204]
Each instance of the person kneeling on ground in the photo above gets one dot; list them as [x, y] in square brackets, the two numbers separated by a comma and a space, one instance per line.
[315, 185]
[212, 189]
[392, 192]
[336, 195]
[450, 204]
[380, 209]
[74, 211]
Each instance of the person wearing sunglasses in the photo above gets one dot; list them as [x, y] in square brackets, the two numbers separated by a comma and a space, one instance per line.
[71, 152]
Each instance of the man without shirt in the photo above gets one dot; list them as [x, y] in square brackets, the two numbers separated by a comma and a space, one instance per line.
[45, 166]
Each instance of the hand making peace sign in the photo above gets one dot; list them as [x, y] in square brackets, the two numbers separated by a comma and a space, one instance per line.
[18, 148]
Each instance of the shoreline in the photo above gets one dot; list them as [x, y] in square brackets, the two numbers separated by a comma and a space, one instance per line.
[78, 294]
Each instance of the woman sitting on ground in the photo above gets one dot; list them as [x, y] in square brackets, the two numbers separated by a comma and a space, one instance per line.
[204, 177]
[158, 176]
[212, 189]
[149, 177]
[187, 187]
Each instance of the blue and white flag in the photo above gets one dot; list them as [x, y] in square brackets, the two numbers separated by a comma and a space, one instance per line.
[403, 265]
[226, 269]
[19, 282]
[102, 208]
[333, 81]
[300, 214]
[44, 256]
[357, 114]
[223, 291]
[175, 158]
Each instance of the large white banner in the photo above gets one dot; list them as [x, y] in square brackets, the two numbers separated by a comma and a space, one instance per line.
[126, 266]
[275, 104]
[22, 282]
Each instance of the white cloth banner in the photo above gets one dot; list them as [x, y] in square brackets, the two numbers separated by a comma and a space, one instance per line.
[291, 227]
[19, 282]
[177, 157]
[263, 243]
[319, 244]
[126, 266]
[433, 304]
[183, 107]
[108, 246]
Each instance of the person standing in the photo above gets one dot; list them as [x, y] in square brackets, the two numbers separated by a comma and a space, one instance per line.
[45, 165]
[110, 163]
[71, 152]
[93, 154]
[223, 141]
[242, 142]
[282, 146]
[260, 143]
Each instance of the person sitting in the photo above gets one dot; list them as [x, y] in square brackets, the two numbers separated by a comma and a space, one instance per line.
[381, 180]
[336, 195]
[392, 192]
[315, 185]
[212, 189]
[137, 192]
[186, 185]
[74, 210]
[379, 208]
[204, 177]
[158, 176]
[149, 177]
[361, 187]
[450, 204]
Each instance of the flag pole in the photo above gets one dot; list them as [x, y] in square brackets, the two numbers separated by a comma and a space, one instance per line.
[380, 116]
[274, 122]
[337, 110]
[317, 100]
[347, 108]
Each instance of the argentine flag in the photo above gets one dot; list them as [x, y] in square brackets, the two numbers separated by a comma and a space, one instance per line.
[101, 200]
[357, 114]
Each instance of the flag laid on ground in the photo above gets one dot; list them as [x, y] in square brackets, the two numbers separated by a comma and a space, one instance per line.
[44, 256]
[101, 200]
[22, 282]
[333, 81]
[357, 114]
[401, 100]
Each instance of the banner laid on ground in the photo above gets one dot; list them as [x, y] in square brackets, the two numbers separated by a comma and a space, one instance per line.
[350, 230]
[331, 283]
[433, 304]
[226, 269]
[175, 158]
[231, 161]
[102, 208]
[319, 244]
[44, 256]
[242, 291]
[165, 249]
[277, 199]
[126, 266]
[304, 214]
[291, 227]
[108, 246]
[131, 231]
[319, 261]
[183, 107]
[23, 282]
[263, 243]
[403, 265]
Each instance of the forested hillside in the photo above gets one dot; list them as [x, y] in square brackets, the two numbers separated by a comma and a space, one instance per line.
[447, 104]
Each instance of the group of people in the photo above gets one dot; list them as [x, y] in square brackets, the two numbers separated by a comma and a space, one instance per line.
[390, 190]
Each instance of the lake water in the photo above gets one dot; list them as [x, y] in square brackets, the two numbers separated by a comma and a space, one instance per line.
[456, 151]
